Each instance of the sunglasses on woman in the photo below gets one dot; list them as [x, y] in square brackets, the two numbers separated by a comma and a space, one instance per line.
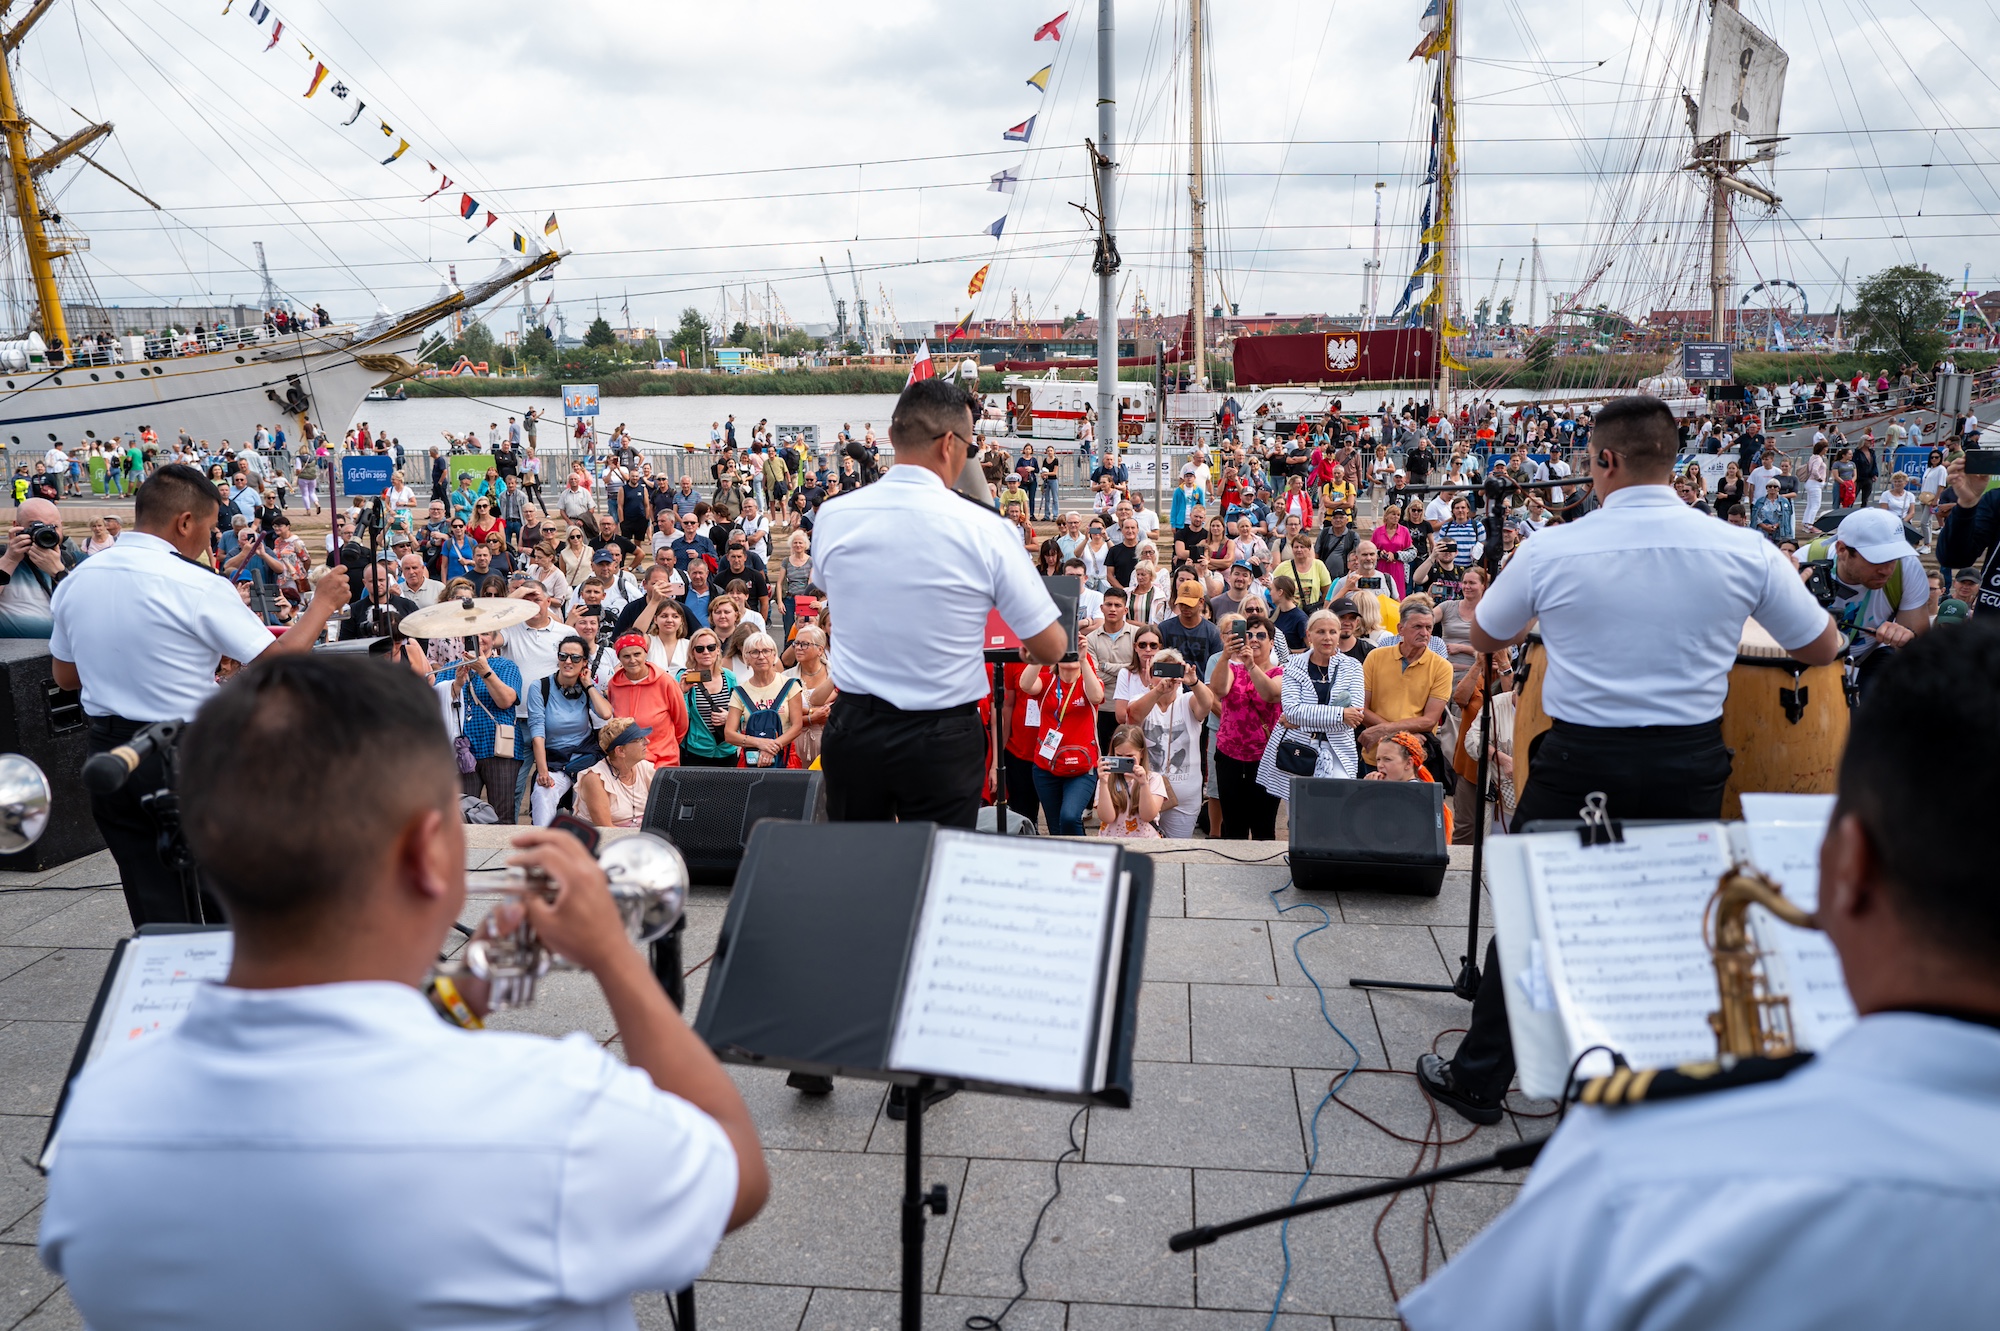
[703, 647]
[569, 658]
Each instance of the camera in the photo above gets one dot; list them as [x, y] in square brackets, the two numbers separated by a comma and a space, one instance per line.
[1169, 670]
[1982, 461]
[1819, 581]
[1373, 584]
[1118, 763]
[44, 534]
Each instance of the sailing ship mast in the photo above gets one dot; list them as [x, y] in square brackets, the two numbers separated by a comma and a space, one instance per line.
[1447, 221]
[1197, 246]
[23, 167]
[1713, 155]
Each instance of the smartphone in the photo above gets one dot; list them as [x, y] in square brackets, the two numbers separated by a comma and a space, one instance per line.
[1169, 670]
[1118, 763]
[1982, 462]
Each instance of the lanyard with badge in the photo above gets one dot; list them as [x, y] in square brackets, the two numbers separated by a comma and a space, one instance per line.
[1052, 737]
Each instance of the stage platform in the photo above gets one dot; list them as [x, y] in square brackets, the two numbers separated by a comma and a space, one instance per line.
[1234, 1060]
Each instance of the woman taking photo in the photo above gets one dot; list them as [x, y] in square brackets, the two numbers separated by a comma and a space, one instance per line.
[1136, 678]
[1244, 679]
[767, 711]
[795, 576]
[1129, 801]
[650, 696]
[1395, 544]
[708, 690]
[484, 715]
[809, 649]
[1171, 711]
[614, 791]
[1063, 718]
[1322, 693]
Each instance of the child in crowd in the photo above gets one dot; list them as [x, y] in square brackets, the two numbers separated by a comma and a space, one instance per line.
[1129, 803]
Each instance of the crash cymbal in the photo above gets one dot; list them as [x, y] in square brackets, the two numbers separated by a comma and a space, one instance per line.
[464, 618]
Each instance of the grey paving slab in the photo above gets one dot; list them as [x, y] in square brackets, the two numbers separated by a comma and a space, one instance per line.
[1203, 1114]
[1335, 1269]
[59, 987]
[729, 1306]
[1169, 896]
[1238, 892]
[869, 1310]
[94, 870]
[1279, 1025]
[87, 919]
[1103, 1241]
[19, 878]
[1413, 1024]
[999, 1127]
[21, 1184]
[1446, 907]
[57, 1313]
[788, 1120]
[1351, 1144]
[1451, 943]
[25, 1230]
[35, 1056]
[18, 909]
[833, 1219]
[1112, 1317]
[1209, 951]
[1342, 951]
[1464, 1208]
[1163, 1022]
[23, 1284]
[18, 958]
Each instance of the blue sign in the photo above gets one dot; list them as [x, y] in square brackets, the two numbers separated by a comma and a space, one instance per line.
[367, 475]
[579, 399]
[1707, 360]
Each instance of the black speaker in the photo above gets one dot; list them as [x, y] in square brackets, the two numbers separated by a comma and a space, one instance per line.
[708, 811]
[1368, 836]
[46, 724]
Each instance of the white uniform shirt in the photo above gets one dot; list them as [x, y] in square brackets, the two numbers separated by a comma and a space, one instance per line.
[336, 1156]
[1642, 603]
[911, 570]
[1861, 1191]
[145, 629]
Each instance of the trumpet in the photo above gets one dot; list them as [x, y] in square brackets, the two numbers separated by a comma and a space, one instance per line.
[648, 879]
[1750, 1021]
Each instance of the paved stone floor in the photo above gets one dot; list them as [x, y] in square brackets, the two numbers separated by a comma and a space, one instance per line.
[1235, 1058]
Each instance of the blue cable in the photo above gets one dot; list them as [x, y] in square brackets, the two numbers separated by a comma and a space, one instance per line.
[1312, 1157]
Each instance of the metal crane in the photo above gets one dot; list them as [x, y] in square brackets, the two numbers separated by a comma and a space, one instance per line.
[271, 298]
[1514, 296]
[862, 329]
[839, 306]
[888, 307]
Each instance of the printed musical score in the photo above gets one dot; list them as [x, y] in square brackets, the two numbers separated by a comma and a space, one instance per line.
[1621, 931]
[158, 977]
[1004, 975]
[1800, 963]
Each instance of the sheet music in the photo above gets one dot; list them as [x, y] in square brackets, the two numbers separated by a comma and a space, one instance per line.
[158, 976]
[1801, 963]
[1621, 931]
[1004, 973]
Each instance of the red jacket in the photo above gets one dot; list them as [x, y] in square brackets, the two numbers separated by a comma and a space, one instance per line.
[654, 701]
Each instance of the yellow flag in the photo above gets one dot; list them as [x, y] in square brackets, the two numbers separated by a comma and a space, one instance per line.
[1452, 330]
[1434, 264]
[978, 282]
[1435, 236]
[1436, 295]
[1039, 80]
[1452, 362]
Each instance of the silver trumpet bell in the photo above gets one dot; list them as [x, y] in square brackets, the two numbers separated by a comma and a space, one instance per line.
[24, 803]
[648, 881]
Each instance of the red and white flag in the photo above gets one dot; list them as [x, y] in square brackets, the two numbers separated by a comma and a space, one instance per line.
[1053, 28]
[921, 367]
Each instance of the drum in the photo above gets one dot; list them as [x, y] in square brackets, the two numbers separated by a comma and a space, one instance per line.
[1785, 722]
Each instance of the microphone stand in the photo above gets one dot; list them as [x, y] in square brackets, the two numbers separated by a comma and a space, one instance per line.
[1519, 1155]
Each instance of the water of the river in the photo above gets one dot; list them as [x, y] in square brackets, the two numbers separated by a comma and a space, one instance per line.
[653, 421]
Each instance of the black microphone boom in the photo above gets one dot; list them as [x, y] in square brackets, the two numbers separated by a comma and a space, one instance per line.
[105, 773]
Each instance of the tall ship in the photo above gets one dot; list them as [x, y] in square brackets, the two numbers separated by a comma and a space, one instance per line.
[70, 375]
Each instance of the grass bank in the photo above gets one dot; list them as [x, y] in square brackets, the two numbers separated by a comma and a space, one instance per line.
[1594, 373]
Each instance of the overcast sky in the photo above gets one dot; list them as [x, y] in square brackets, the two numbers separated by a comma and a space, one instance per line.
[686, 146]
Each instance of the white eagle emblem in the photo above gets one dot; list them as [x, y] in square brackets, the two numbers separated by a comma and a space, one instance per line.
[1342, 353]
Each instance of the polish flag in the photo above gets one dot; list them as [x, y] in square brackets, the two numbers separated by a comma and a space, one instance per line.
[921, 367]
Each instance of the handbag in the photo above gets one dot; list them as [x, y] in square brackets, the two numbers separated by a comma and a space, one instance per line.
[461, 747]
[1295, 757]
[503, 732]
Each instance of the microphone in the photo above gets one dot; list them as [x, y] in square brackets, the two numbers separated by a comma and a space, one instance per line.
[106, 773]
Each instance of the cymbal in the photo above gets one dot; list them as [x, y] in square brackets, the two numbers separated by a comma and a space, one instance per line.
[463, 619]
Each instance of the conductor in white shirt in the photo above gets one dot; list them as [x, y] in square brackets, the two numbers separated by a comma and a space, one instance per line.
[318, 1147]
[140, 629]
[911, 570]
[1861, 1190]
[1641, 605]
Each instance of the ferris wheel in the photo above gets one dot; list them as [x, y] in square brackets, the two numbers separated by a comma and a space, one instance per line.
[1781, 296]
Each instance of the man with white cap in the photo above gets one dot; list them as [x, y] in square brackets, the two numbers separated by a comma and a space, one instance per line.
[1878, 582]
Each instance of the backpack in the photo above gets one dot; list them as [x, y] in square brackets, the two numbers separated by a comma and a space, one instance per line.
[767, 721]
[1823, 549]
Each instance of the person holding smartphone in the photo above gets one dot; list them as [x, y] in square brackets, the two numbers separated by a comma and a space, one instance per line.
[1130, 796]
[1171, 712]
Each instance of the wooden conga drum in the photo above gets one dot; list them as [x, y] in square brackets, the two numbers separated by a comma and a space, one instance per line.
[1529, 718]
[1785, 722]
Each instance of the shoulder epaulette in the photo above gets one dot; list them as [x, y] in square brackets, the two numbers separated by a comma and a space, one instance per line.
[1626, 1087]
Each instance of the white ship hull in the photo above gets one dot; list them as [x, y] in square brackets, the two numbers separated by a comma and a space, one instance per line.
[214, 395]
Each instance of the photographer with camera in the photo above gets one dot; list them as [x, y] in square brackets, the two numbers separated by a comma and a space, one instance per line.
[1971, 529]
[1869, 579]
[140, 629]
[37, 558]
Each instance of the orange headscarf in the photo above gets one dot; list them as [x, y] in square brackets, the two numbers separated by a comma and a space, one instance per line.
[1413, 746]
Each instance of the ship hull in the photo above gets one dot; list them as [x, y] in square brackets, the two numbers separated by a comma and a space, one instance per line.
[215, 395]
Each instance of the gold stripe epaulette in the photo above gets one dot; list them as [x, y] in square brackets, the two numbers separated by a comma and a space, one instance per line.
[1626, 1087]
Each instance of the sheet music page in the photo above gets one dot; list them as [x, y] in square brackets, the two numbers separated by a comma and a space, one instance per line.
[1621, 936]
[1003, 975]
[157, 979]
[1801, 963]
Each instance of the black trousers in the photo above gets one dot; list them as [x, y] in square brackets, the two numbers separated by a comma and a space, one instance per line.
[154, 891]
[1249, 812]
[1022, 797]
[884, 763]
[1644, 772]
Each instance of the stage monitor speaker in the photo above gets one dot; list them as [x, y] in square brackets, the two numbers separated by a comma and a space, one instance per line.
[708, 811]
[1368, 836]
[46, 724]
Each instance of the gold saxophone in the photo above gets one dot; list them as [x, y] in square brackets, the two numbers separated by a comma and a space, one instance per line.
[1751, 1022]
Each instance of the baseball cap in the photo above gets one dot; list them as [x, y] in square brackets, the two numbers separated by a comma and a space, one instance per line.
[1190, 594]
[1875, 534]
[1244, 564]
[631, 735]
[1953, 611]
[1344, 605]
[605, 556]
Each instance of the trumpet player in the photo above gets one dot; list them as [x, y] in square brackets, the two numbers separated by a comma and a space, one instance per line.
[1861, 1190]
[316, 1147]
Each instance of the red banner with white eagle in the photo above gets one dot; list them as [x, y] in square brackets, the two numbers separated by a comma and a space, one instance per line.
[1329, 358]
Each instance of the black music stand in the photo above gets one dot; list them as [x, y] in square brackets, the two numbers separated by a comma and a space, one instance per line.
[811, 964]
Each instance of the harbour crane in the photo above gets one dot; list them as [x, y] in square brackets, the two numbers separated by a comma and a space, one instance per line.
[888, 307]
[839, 306]
[862, 329]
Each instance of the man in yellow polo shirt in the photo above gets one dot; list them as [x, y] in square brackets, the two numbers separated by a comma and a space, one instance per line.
[1408, 684]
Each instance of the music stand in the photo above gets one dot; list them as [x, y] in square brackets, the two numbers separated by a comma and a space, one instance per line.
[820, 968]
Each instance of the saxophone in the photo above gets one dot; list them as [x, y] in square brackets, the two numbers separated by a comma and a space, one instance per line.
[1751, 1021]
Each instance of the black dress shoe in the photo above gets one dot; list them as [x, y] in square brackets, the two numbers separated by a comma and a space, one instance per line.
[810, 1083]
[1434, 1073]
[899, 1100]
